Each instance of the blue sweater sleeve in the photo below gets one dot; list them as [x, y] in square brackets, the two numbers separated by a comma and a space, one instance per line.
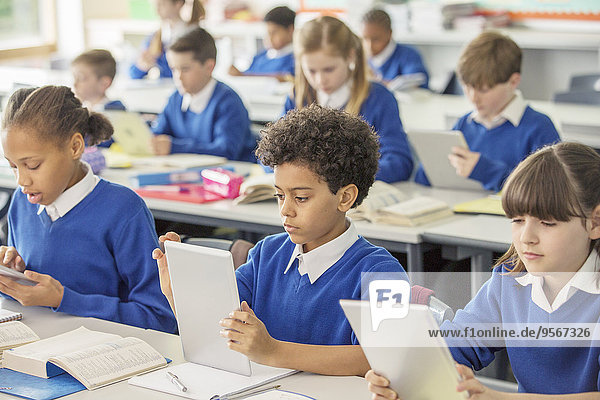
[245, 274]
[230, 131]
[146, 306]
[162, 126]
[396, 162]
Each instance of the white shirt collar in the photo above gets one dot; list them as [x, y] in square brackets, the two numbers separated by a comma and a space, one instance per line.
[72, 196]
[585, 279]
[282, 52]
[337, 99]
[385, 54]
[196, 103]
[98, 107]
[168, 33]
[513, 112]
[317, 261]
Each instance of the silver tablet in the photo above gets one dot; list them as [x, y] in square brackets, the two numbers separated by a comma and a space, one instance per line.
[131, 132]
[205, 291]
[417, 366]
[432, 148]
[17, 276]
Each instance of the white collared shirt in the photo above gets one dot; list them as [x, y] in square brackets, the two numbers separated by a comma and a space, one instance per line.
[282, 52]
[384, 55]
[98, 107]
[513, 112]
[169, 34]
[337, 99]
[72, 196]
[197, 103]
[317, 261]
[586, 279]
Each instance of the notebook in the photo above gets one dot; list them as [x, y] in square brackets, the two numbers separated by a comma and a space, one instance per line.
[7, 315]
[131, 132]
[432, 148]
[417, 365]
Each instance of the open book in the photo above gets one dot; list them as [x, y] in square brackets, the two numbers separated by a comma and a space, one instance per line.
[93, 358]
[256, 188]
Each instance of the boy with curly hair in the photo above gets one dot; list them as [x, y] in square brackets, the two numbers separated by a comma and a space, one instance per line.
[324, 162]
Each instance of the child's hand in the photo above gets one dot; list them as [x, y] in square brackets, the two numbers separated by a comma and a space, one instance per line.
[161, 145]
[10, 257]
[146, 60]
[48, 292]
[475, 388]
[248, 335]
[379, 386]
[163, 267]
[464, 160]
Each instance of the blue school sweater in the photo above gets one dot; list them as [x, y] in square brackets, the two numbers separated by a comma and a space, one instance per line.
[161, 63]
[112, 105]
[291, 308]
[502, 147]
[549, 370]
[261, 64]
[100, 251]
[404, 60]
[380, 110]
[222, 129]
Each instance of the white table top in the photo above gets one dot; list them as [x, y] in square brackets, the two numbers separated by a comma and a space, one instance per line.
[47, 323]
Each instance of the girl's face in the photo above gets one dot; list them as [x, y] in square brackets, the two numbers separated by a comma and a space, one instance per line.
[168, 9]
[325, 72]
[43, 169]
[551, 246]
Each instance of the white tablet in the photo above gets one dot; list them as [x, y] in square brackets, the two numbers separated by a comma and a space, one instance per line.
[17, 276]
[131, 132]
[417, 366]
[204, 291]
[432, 148]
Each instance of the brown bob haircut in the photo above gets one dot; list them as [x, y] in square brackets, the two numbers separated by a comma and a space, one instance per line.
[491, 58]
[558, 182]
[101, 61]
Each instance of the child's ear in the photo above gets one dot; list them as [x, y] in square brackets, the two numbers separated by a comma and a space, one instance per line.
[105, 81]
[76, 145]
[210, 64]
[515, 80]
[595, 220]
[348, 195]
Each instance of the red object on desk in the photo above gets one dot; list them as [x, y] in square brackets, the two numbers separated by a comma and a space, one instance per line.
[188, 192]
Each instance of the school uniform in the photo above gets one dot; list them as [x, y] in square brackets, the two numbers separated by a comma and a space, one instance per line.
[516, 132]
[96, 239]
[380, 110]
[398, 59]
[212, 121]
[272, 61]
[557, 367]
[168, 36]
[296, 294]
[105, 105]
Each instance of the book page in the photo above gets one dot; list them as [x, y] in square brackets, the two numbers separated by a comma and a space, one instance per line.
[109, 362]
[15, 333]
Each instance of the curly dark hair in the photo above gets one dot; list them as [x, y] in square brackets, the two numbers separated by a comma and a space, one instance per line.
[339, 147]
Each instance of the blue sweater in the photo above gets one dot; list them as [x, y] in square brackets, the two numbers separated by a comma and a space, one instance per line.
[100, 251]
[112, 105]
[222, 129]
[547, 370]
[261, 64]
[404, 60]
[380, 110]
[161, 63]
[291, 308]
[502, 147]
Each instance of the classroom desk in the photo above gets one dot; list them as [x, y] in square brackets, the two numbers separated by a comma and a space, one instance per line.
[47, 323]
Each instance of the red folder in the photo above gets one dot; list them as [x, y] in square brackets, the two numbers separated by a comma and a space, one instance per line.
[188, 192]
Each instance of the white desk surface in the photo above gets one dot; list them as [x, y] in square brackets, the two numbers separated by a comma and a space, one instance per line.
[47, 323]
[494, 230]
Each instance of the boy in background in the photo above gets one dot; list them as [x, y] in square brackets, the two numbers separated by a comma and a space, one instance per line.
[503, 129]
[290, 287]
[203, 115]
[278, 58]
[388, 59]
[93, 73]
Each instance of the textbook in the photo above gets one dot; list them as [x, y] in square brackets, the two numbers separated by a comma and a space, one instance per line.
[416, 211]
[93, 358]
[203, 382]
[381, 194]
[256, 188]
[15, 333]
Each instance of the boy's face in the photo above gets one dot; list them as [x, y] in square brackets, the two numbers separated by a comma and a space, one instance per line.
[278, 36]
[87, 85]
[375, 38]
[310, 213]
[325, 72]
[489, 102]
[190, 75]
